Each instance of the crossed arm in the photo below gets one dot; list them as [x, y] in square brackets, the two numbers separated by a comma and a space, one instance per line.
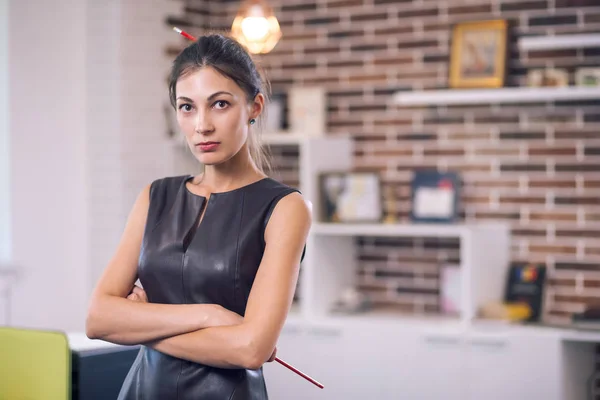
[204, 333]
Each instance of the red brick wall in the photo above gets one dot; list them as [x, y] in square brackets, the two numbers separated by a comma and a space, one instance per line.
[536, 166]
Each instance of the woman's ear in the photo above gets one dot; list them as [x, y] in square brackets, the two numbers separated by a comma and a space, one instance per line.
[257, 106]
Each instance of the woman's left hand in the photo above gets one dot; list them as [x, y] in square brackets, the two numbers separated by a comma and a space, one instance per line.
[138, 294]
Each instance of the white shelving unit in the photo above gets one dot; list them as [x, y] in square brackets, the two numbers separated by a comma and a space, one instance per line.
[495, 96]
[484, 258]
[330, 263]
[315, 157]
[398, 354]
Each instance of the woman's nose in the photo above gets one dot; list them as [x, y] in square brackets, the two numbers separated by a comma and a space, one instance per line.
[204, 123]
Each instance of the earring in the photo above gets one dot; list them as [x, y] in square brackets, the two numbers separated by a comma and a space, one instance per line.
[252, 121]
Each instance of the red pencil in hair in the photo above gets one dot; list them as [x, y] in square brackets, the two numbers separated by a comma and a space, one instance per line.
[184, 34]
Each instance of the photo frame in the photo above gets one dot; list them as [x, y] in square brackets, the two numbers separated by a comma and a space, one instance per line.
[451, 289]
[307, 109]
[587, 77]
[548, 77]
[350, 197]
[478, 54]
[435, 196]
[525, 284]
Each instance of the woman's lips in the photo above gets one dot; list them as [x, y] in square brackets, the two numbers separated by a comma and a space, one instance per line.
[208, 146]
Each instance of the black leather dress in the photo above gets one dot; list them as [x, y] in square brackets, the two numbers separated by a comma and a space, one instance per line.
[214, 263]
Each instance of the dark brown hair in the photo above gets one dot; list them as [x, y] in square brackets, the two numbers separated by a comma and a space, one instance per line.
[230, 59]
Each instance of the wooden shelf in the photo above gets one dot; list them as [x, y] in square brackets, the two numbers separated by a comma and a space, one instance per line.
[491, 96]
[533, 43]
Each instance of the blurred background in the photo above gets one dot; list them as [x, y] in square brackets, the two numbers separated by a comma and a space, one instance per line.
[451, 150]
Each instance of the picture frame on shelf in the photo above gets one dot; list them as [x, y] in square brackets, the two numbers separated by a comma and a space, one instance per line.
[450, 289]
[350, 197]
[435, 196]
[276, 113]
[587, 77]
[307, 108]
[548, 77]
[525, 284]
[478, 54]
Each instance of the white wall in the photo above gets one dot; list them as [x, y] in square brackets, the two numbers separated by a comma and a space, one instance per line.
[87, 133]
[144, 91]
[4, 138]
[105, 166]
[48, 158]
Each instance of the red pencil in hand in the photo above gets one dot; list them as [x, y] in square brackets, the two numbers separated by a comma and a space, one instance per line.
[302, 374]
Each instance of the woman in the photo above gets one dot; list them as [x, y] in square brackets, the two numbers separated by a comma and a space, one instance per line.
[217, 254]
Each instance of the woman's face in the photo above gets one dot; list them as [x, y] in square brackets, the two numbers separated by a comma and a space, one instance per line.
[214, 115]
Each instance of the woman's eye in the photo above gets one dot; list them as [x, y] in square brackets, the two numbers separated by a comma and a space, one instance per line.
[220, 104]
[185, 107]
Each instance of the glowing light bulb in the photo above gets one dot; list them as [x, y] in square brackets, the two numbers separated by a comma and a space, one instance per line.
[255, 28]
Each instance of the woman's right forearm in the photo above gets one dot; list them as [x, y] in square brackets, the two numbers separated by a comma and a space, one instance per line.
[122, 321]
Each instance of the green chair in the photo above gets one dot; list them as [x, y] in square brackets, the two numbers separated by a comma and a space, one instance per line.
[34, 365]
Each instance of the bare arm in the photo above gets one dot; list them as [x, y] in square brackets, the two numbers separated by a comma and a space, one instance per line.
[113, 318]
[249, 344]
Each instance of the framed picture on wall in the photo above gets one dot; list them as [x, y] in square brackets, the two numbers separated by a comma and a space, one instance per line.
[351, 197]
[478, 54]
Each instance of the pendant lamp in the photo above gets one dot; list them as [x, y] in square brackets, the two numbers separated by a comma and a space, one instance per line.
[256, 27]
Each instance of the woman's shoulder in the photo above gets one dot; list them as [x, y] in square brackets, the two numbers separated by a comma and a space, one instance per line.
[168, 183]
[168, 180]
[274, 185]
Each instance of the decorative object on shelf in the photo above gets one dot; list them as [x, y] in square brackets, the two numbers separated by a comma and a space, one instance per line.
[548, 77]
[256, 27]
[450, 289]
[505, 311]
[434, 196]
[275, 113]
[352, 301]
[351, 197]
[478, 54]
[588, 77]
[589, 318]
[391, 209]
[307, 106]
[592, 384]
[526, 285]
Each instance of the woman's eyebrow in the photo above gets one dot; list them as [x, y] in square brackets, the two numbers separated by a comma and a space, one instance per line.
[185, 99]
[212, 96]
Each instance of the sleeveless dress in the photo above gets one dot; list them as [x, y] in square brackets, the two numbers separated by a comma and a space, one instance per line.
[213, 263]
